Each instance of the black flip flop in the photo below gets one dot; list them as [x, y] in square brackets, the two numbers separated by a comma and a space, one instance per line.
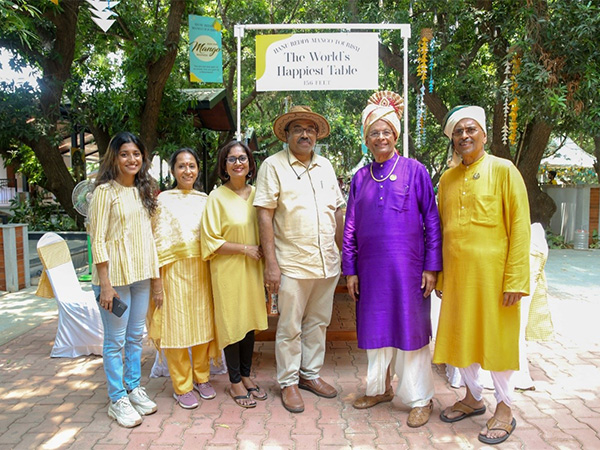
[257, 389]
[237, 399]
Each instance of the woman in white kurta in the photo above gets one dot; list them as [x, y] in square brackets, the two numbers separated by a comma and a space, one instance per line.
[230, 241]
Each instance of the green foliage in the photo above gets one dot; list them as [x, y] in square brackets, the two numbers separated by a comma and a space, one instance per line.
[595, 240]
[24, 158]
[41, 214]
[559, 82]
[572, 175]
[19, 25]
[556, 241]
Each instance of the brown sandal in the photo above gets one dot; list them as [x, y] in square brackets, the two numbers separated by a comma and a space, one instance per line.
[495, 424]
[466, 411]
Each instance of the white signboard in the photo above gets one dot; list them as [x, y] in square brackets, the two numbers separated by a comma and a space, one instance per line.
[320, 61]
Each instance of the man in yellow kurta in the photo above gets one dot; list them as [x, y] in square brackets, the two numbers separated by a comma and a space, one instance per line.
[486, 230]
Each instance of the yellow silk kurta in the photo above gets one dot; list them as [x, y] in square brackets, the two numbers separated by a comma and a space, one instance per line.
[484, 213]
[237, 280]
[186, 318]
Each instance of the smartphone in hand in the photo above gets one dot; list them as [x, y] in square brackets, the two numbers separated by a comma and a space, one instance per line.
[118, 307]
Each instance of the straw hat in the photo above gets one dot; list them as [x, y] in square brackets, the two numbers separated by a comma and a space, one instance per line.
[299, 112]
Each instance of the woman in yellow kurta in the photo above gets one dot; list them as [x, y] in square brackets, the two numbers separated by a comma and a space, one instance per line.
[185, 318]
[230, 241]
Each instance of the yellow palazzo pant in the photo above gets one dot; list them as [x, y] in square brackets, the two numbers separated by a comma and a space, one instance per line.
[185, 372]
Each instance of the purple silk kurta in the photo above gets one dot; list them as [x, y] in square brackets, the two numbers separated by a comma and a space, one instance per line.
[392, 234]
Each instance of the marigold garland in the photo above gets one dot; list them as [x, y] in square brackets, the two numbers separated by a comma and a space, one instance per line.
[514, 103]
[422, 65]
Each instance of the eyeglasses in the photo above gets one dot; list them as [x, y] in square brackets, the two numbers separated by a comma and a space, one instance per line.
[375, 134]
[242, 159]
[471, 131]
[311, 131]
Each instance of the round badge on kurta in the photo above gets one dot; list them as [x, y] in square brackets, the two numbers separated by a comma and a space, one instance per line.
[393, 178]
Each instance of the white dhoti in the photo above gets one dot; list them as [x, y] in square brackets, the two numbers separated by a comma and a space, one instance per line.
[413, 369]
[503, 387]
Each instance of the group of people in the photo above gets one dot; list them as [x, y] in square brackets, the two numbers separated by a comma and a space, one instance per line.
[206, 262]
[186, 264]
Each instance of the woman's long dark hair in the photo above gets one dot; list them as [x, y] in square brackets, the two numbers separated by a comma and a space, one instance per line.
[173, 160]
[109, 169]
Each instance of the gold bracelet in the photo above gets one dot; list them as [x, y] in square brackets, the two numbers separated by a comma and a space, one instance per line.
[245, 249]
[157, 292]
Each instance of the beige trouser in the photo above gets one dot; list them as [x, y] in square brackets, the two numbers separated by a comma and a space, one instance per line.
[413, 369]
[304, 313]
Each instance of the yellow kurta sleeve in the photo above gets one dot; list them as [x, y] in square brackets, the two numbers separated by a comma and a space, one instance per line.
[516, 208]
[211, 236]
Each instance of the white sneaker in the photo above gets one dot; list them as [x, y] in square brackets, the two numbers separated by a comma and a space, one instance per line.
[141, 402]
[124, 413]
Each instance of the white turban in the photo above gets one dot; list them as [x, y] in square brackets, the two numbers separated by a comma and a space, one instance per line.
[372, 113]
[459, 113]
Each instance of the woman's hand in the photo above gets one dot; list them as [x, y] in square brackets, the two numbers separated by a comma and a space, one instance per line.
[253, 251]
[107, 293]
[157, 291]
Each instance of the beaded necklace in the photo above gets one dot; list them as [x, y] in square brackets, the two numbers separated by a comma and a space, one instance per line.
[388, 175]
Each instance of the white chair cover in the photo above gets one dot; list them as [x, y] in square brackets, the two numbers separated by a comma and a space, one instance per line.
[80, 330]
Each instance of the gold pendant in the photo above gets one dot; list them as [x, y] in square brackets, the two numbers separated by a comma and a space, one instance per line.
[476, 176]
[393, 177]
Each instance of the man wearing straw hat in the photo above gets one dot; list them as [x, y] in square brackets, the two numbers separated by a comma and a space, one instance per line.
[300, 220]
[391, 255]
[485, 230]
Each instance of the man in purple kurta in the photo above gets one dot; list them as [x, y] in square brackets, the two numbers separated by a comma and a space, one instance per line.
[391, 255]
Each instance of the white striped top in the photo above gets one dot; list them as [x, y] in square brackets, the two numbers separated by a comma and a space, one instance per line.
[121, 234]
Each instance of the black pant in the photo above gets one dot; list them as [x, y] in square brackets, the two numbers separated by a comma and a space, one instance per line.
[239, 358]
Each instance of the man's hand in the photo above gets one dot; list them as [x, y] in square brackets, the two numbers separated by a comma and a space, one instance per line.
[428, 280]
[511, 298]
[352, 285]
[272, 276]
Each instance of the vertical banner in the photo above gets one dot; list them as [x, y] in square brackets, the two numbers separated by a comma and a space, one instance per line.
[317, 61]
[206, 57]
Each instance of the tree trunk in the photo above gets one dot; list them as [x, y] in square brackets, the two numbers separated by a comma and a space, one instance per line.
[158, 74]
[102, 138]
[59, 180]
[56, 70]
[534, 142]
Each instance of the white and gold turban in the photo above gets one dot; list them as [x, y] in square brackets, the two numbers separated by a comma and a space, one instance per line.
[383, 105]
[461, 112]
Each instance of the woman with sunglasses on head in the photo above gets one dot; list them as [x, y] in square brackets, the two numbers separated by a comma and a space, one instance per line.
[185, 318]
[230, 241]
[125, 262]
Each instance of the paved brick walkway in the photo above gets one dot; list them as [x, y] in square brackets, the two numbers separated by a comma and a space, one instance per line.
[61, 403]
